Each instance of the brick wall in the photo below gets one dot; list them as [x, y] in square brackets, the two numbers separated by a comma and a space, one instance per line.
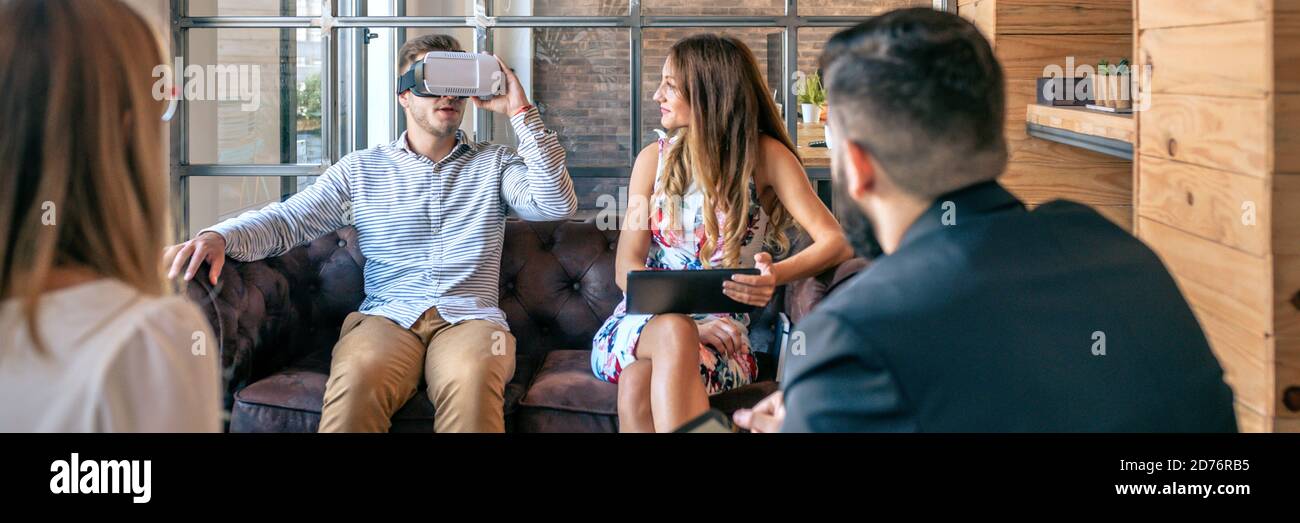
[580, 79]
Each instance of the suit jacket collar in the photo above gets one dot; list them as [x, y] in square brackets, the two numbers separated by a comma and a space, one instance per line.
[963, 204]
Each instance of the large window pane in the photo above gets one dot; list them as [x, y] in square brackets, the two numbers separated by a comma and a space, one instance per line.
[560, 7]
[579, 79]
[213, 199]
[254, 95]
[439, 7]
[766, 43]
[254, 7]
[856, 7]
[699, 8]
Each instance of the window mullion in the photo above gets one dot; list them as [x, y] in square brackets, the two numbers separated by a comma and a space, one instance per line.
[484, 120]
[789, 63]
[179, 132]
[635, 74]
[329, 87]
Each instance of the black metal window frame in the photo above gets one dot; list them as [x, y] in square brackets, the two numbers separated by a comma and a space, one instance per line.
[343, 104]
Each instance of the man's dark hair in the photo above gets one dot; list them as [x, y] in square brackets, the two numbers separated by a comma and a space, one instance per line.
[922, 92]
[419, 46]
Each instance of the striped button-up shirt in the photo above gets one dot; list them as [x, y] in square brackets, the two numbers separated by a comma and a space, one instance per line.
[431, 231]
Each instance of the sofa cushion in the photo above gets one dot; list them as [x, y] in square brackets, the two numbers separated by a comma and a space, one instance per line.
[565, 382]
[290, 401]
[566, 397]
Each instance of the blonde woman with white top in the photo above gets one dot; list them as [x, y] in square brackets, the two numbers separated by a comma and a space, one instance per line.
[91, 338]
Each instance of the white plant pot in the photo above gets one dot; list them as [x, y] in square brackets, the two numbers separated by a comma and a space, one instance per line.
[812, 113]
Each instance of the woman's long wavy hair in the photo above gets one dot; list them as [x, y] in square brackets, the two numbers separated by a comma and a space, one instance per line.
[83, 180]
[731, 109]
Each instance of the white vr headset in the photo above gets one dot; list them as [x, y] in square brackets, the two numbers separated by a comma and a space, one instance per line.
[453, 73]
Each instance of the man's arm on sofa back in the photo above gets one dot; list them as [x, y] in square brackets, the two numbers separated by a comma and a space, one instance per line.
[321, 208]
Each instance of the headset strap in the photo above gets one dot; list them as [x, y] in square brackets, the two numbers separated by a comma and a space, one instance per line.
[411, 78]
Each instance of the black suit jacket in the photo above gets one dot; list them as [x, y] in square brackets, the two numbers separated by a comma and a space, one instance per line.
[1006, 320]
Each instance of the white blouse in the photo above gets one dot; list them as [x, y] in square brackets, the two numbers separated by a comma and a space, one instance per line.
[114, 360]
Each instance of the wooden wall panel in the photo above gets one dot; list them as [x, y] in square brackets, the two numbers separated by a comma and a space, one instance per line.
[1250, 421]
[1181, 13]
[1287, 357]
[1229, 283]
[1286, 140]
[1246, 358]
[1216, 60]
[1032, 178]
[1286, 259]
[1227, 99]
[983, 14]
[1286, 215]
[1057, 17]
[1230, 134]
[1121, 215]
[1286, 292]
[1224, 207]
[1286, 45]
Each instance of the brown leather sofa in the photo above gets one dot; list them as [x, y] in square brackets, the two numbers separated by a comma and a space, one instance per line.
[277, 320]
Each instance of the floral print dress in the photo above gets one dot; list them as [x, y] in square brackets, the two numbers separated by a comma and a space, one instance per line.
[614, 347]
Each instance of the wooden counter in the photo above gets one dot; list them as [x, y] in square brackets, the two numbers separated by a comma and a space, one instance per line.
[813, 156]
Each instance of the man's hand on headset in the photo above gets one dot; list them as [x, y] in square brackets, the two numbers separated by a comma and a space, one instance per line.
[514, 99]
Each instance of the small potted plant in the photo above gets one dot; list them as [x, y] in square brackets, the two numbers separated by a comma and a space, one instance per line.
[1122, 95]
[1101, 84]
[812, 98]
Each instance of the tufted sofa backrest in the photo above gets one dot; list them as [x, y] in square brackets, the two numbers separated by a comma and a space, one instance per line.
[556, 288]
[557, 283]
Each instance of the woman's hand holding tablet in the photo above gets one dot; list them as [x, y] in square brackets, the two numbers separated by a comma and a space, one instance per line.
[754, 290]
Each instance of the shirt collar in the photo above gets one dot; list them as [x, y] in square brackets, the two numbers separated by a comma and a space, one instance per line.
[974, 200]
[462, 144]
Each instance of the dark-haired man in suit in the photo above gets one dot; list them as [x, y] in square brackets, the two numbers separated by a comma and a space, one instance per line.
[981, 315]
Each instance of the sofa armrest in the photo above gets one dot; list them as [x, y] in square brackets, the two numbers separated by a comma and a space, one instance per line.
[802, 295]
[270, 313]
[245, 316]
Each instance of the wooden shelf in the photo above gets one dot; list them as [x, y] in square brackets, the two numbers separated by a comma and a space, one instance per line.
[1106, 133]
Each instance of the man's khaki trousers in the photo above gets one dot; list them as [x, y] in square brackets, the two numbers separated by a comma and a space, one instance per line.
[377, 367]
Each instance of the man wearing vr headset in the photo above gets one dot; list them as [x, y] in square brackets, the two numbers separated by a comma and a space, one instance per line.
[429, 210]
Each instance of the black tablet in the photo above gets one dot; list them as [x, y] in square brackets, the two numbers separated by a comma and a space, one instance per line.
[684, 292]
[711, 422]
